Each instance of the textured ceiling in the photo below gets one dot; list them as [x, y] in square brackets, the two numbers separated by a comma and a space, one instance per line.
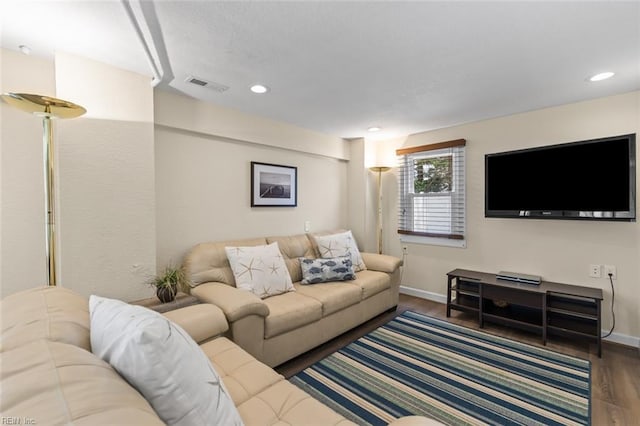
[341, 67]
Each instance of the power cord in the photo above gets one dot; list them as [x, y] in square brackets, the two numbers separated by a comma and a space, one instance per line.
[404, 261]
[613, 314]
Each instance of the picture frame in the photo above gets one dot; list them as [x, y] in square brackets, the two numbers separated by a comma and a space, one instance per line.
[273, 185]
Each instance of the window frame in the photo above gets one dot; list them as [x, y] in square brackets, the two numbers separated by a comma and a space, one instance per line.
[452, 166]
[407, 192]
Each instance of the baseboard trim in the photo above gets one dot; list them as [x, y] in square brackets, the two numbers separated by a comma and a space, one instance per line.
[423, 294]
[622, 339]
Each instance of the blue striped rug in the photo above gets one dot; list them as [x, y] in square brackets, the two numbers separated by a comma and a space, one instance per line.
[418, 365]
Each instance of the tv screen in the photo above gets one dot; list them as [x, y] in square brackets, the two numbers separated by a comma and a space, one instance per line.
[593, 180]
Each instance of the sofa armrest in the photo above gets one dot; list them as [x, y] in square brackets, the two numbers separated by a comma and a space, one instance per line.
[203, 322]
[381, 262]
[235, 303]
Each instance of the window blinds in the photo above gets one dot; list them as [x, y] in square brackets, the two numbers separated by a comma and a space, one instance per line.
[431, 194]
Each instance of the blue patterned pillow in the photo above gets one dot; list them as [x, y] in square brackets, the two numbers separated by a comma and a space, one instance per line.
[323, 270]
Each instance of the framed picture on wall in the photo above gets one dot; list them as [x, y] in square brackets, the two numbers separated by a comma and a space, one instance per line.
[273, 185]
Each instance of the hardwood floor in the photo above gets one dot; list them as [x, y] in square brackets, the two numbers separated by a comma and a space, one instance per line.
[615, 378]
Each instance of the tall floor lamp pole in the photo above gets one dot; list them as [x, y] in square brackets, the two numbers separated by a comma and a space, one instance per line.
[48, 108]
[379, 170]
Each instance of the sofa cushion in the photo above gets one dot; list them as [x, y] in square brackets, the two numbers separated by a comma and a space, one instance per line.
[326, 270]
[162, 361]
[262, 396]
[290, 311]
[260, 270]
[333, 296]
[243, 375]
[62, 384]
[207, 262]
[52, 313]
[371, 282]
[341, 244]
[286, 404]
[292, 248]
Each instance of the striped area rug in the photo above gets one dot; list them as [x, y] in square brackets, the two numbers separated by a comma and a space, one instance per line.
[418, 365]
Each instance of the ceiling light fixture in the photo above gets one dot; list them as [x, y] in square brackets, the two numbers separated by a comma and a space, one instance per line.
[25, 49]
[602, 76]
[259, 88]
[374, 129]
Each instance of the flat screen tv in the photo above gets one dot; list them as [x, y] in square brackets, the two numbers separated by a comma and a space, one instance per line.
[586, 180]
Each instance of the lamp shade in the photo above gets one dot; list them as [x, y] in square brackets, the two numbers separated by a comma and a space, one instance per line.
[43, 106]
[379, 169]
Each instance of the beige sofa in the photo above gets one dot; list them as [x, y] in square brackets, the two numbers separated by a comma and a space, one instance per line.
[48, 376]
[281, 327]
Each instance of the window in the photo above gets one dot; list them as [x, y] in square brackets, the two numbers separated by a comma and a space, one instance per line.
[431, 195]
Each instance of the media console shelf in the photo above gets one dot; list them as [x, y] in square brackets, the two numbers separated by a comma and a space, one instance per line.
[548, 308]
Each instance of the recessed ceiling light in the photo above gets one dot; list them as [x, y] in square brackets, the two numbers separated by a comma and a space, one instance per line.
[25, 49]
[259, 88]
[602, 76]
[374, 129]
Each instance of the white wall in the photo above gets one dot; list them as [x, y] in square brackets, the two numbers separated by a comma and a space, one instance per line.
[22, 245]
[107, 194]
[181, 112]
[203, 176]
[104, 177]
[362, 205]
[558, 250]
[106, 181]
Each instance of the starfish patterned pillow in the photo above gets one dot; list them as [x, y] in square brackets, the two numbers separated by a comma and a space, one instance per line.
[338, 245]
[260, 270]
[161, 360]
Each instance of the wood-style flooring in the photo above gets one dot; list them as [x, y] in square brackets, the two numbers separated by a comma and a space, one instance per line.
[615, 378]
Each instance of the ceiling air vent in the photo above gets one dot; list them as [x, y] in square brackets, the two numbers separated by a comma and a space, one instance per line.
[208, 84]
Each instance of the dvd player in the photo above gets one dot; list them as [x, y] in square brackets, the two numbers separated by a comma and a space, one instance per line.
[519, 278]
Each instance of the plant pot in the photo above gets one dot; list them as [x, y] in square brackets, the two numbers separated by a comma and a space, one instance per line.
[167, 294]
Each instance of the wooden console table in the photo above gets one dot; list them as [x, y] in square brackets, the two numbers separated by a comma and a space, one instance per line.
[548, 308]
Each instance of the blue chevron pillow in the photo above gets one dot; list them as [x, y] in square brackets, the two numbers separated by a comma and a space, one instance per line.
[324, 270]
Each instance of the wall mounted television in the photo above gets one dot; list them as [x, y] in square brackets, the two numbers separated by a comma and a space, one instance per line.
[586, 180]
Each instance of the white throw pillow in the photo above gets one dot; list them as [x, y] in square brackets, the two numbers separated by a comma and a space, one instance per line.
[162, 362]
[260, 270]
[342, 244]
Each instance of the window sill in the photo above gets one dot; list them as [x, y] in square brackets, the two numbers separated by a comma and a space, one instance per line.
[444, 242]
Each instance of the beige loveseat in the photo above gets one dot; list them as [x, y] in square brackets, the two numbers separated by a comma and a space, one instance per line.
[279, 328]
[48, 375]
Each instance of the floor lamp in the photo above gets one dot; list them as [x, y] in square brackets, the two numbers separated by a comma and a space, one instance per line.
[47, 108]
[379, 170]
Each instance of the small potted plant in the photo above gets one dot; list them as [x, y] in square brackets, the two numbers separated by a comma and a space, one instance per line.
[169, 282]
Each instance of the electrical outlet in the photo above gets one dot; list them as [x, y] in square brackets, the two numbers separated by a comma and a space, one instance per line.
[405, 250]
[307, 226]
[595, 271]
[610, 269]
[138, 269]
